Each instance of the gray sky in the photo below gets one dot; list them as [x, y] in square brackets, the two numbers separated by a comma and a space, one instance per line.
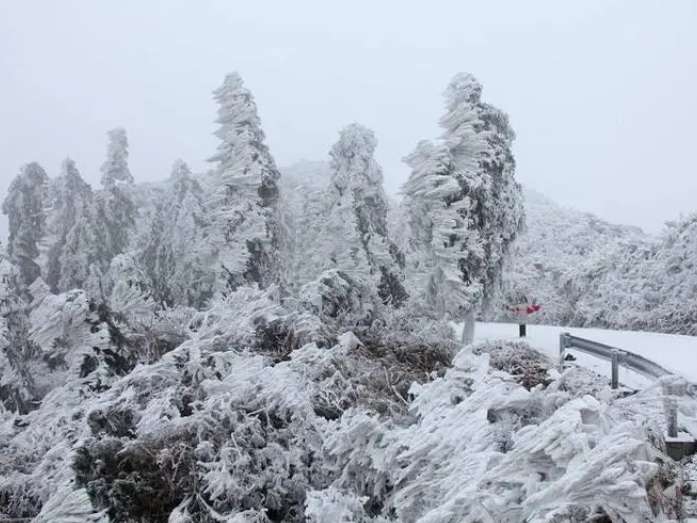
[602, 94]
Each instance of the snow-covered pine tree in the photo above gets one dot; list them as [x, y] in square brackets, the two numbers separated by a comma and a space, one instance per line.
[17, 386]
[173, 253]
[115, 169]
[303, 188]
[480, 138]
[10, 288]
[356, 235]
[68, 224]
[82, 252]
[432, 223]
[246, 228]
[466, 205]
[25, 207]
[115, 208]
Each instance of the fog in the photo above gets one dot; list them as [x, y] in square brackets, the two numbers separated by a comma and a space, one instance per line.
[601, 94]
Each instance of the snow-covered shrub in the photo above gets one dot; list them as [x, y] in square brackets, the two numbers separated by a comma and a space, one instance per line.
[58, 338]
[70, 506]
[247, 441]
[342, 303]
[335, 297]
[482, 447]
[528, 367]
[136, 479]
[227, 422]
[332, 505]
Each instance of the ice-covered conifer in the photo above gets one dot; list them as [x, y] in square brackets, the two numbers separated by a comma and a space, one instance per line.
[174, 254]
[74, 244]
[356, 235]
[466, 206]
[17, 386]
[115, 208]
[480, 137]
[115, 168]
[10, 287]
[83, 248]
[433, 227]
[246, 228]
[25, 207]
[304, 207]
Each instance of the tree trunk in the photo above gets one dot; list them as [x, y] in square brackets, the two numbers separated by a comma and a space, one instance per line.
[468, 328]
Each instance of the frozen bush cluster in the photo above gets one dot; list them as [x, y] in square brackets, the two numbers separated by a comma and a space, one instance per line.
[217, 425]
[480, 446]
[365, 428]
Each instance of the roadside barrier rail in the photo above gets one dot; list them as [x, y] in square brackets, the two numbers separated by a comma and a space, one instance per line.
[673, 386]
[615, 356]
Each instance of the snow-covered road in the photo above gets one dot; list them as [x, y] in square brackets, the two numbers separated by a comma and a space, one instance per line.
[675, 353]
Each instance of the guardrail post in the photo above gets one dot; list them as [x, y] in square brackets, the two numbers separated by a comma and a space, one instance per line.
[672, 417]
[672, 387]
[677, 446]
[562, 349]
[615, 361]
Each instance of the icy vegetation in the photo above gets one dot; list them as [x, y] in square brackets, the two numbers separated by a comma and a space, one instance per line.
[588, 273]
[243, 345]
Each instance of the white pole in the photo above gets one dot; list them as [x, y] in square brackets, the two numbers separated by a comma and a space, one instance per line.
[468, 328]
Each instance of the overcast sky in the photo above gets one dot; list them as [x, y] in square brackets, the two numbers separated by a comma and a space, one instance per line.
[602, 94]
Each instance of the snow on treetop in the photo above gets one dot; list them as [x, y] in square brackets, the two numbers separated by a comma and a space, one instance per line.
[464, 87]
[232, 82]
[236, 107]
[352, 158]
[354, 139]
[180, 170]
[30, 174]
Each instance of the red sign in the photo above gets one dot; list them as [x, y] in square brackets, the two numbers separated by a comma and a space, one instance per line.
[524, 309]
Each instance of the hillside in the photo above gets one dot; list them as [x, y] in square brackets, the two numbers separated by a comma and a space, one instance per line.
[586, 272]
[551, 254]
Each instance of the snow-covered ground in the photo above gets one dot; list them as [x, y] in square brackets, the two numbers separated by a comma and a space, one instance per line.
[675, 353]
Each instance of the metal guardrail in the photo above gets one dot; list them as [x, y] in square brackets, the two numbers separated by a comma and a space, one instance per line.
[673, 386]
[615, 356]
